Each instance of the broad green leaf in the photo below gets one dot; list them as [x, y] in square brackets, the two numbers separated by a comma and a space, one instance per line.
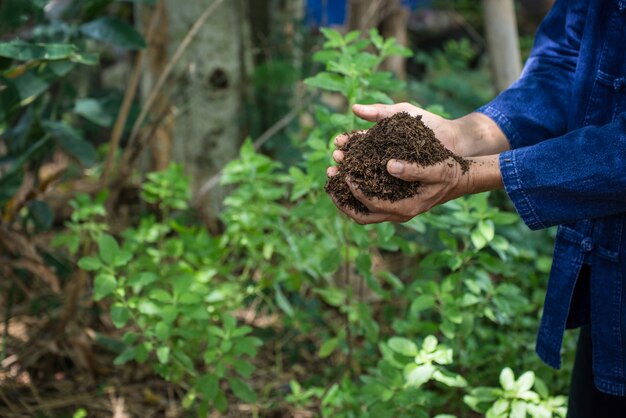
[507, 379]
[486, 228]
[119, 314]
[525, 382]
[478, 239]
[94, 111]
[328, 347]
[114, 31]
[430, 343]
[143, 279]
[24, 51]
[403, 346]
[332, 295]
[242, 390]
[122, 258]
[326, 81]
[107, 249]
[162, 331]
[422, 302]
[72, 142]
[244, 368]
[334, 38]
[207, 385]
[89, 263]
[126, 356]
[103, 286]
[417, 375]
[450, 379]
[163, 354]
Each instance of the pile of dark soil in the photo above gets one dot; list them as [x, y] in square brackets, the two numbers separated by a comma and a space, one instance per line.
[400, 137]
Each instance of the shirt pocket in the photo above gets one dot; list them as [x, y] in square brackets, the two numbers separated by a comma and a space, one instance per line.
[611, 89]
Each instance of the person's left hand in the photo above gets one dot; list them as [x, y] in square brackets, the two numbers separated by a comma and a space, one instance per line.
[440, 183]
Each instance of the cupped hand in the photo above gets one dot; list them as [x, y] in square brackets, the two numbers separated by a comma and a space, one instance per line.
[439, 183]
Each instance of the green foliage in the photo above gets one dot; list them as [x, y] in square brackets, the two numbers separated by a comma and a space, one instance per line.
[42, 106]
[170, 286]
[515, 398]
[412, 341]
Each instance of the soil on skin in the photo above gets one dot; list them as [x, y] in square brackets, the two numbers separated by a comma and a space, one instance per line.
[400, 137]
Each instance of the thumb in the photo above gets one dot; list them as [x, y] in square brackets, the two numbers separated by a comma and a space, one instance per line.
[410, 172]
[374, 112]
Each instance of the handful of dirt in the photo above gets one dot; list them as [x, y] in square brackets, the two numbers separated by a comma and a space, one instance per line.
[400, 137]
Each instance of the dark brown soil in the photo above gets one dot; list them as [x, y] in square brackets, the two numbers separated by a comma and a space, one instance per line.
[400, 137]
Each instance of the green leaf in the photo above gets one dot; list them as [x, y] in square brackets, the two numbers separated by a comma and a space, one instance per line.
[334, 38]
[507, 379]
[90, 263]
[114, 31]
[430, 343]
[486, 228]
[72, 142]
[242, 390]
[23, 51]
[94, 111]
[162, 331]
[282, 301]
[417, 375]
[403, 346]
[244, 368]
[332, 295]
[525, 382]
[328, 347]
[122, 258]
[103, 286]
[450, 379]
[422, 302]
[120, 314]
[207, 385]
[478, 239]
[163, 354]
[107, 249]
[326, 81]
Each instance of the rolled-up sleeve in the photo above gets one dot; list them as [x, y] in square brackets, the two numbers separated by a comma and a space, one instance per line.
[535, 107]
[580, 175]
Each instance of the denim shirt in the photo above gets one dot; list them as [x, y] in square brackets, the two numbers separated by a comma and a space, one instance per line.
[565, 119]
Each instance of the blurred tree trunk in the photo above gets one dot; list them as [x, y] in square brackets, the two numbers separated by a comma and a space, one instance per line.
[390, 17]
[206, 92]
[502, 41]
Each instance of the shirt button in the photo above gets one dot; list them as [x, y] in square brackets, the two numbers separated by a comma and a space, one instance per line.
[619, 84]
[586, 245]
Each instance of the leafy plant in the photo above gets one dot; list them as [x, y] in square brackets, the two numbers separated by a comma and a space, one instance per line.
[516, 399]
[42, 108]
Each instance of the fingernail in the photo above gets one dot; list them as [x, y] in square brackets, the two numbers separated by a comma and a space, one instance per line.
[396, 167]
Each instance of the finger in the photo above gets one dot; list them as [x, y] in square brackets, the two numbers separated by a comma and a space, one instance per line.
[373, 204]
[377, 112]
[341, 140]
[358, 217]
[338, 156]
[414, 172]
[332, 171]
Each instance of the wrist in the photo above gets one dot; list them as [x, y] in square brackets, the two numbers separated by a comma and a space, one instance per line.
[479, 135]
[483, 175]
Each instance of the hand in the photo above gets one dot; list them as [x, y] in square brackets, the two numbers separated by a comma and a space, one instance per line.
[439, 183]
[471, 135]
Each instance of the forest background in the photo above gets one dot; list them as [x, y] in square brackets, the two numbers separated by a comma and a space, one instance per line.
[166, 247]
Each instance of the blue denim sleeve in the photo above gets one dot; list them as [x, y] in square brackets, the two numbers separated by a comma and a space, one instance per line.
[534, 105]
[580, 175]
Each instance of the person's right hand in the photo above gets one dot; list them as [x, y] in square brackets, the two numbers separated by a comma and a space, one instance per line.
[471, 135]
